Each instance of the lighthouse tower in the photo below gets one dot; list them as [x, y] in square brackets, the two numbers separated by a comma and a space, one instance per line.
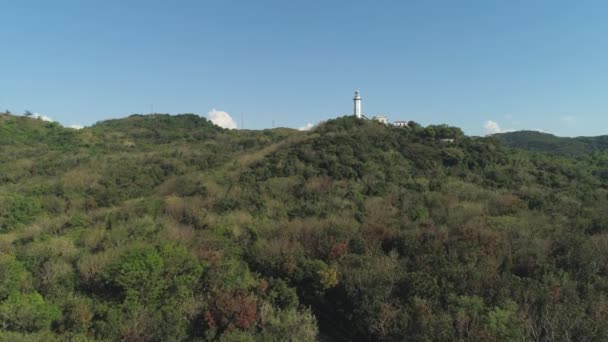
[357, 100]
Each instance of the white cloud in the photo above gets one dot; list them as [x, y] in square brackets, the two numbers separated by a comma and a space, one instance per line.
[77, 126]
[42, 117]
[491, 127]
[306, 127]
[221, 119]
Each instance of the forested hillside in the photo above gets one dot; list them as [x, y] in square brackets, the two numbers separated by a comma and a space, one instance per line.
[168, 228]
[548, 143]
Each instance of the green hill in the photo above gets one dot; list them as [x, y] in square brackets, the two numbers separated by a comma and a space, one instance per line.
[548, 143]
[154, 228]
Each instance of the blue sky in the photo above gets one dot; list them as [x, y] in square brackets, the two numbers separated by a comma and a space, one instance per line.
[499, 64]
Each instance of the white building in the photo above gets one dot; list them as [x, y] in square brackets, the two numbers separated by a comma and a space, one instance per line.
[381, 119]
[357, 100]
[400, 124]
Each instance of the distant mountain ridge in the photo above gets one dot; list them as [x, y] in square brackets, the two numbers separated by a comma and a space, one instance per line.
[535, 141]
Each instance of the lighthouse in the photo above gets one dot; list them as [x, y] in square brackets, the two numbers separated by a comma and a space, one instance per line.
[357, 100]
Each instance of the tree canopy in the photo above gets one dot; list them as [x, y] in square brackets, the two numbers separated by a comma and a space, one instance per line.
[160, 227]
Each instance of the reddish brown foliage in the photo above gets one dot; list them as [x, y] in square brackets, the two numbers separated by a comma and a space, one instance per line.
[377, 232]
[210, 320]
[338, 250]
[232, 310]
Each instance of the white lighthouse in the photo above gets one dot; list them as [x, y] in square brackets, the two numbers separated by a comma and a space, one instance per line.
[357, 100]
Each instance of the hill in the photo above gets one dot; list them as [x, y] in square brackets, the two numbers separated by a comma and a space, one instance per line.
[548, 143]
[153, 228]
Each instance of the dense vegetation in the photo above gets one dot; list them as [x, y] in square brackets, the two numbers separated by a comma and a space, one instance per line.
[549, 143]
[155, 228]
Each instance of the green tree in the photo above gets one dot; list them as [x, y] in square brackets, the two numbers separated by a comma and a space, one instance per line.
[27, 313]
[14, 278]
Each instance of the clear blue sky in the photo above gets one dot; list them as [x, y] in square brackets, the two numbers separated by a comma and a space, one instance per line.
[521, 64]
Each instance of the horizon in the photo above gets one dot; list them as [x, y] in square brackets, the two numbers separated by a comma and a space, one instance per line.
[37, 116]
[484, 67]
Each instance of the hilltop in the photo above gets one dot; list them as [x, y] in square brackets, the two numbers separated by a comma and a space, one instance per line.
[548, 143]
[159, 227]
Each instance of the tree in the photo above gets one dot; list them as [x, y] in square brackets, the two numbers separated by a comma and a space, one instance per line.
[27, 313]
